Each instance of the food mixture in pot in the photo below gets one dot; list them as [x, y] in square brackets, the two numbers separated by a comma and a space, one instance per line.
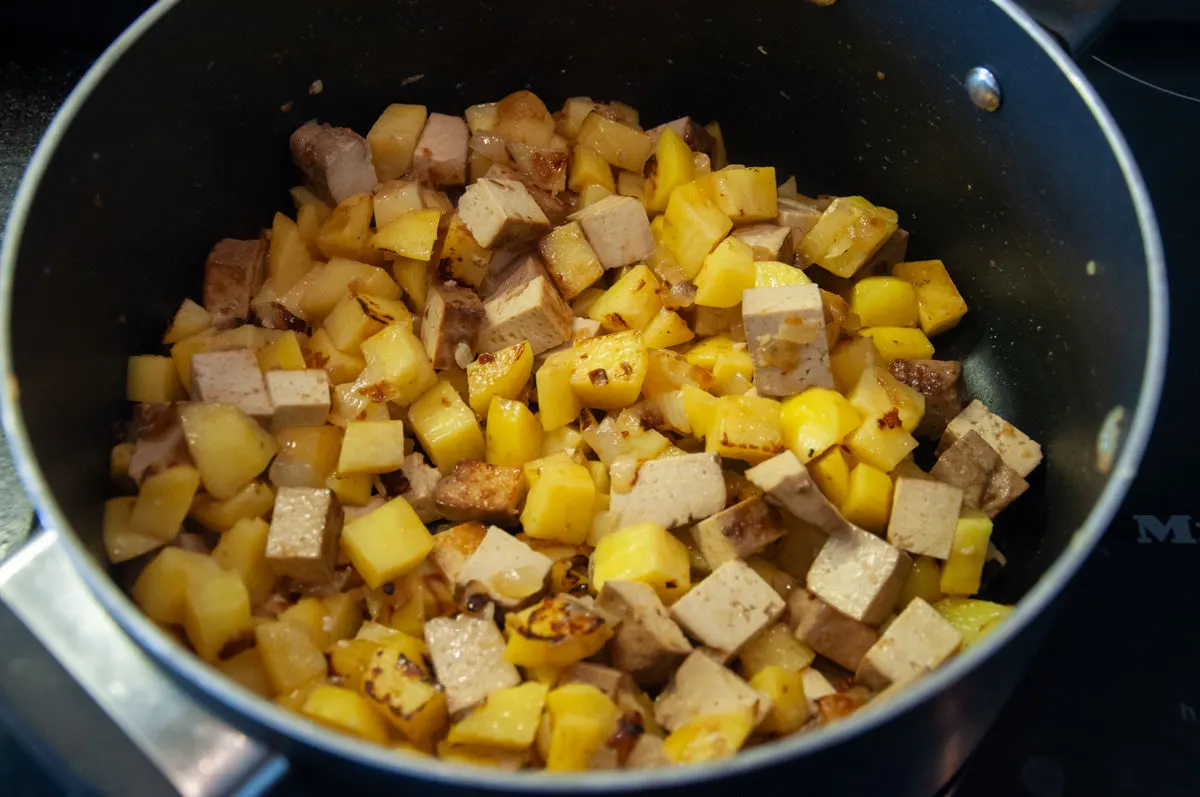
[536, 440]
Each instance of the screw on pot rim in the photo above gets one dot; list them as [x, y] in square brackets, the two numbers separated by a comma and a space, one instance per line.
[984, 89]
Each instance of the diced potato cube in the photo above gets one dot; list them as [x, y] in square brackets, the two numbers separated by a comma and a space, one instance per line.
[727, 271]
[581, 719]
[372, 447]
[831, 473]
[216, 610]
[631, 303]
[558, 404]
[815, 420]
[393, 138]
[693, 227]
[346, 711]
[673, 167]
[711, 737]
[287, 259]
[507, 718]
[347, 231]
[247, 669]
[745, 194]
[940, 304]
[609, 370]
[243, 550]
[647, 553]
[189, 320]
[789, 707]
[328, 284]
[121, 541]
[557, 632]
[358, 316]
[397, 367]
[289, 654]
[668, 370]
[161, 587]
[252, 501]
[963, 570]
[152, 379]
[772, 274]
[701, 409]
[618, 144]
[667, 328]
[341, 366]
[522, 116]
[461, 258]
[775, 646]
[386, 543]
[570, 259]
[884, 302]
[878, 393]
[411, 235]
[895, 343]
[400, 690]
[393, 199]
[413, 278]
[282, 354]
[745, 428]
[513, 434]
[868, 501]
[972, 618]
[446, 427]
[923, 582]
[163, 502]
[504, 373]
[560, 504]
[588, 167]
[880, 441]
[848, 234]
[307, 456]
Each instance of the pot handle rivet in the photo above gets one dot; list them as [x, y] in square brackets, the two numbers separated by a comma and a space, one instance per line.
[984, 88]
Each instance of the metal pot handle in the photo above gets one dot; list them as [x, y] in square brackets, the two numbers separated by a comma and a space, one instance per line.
[1077, 24]
[195, 752]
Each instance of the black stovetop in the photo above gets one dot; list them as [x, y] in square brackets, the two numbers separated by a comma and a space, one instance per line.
[1111, 704]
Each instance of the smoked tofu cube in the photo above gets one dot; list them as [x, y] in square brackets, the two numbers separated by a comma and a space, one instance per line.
[570, 259]
[441, 154]
[507, 569]
[477, 491]
[535, 313]
[450, 325]
[233, 273]
[299, 398]
[499, 212]
[617, 229]
[420, 478]
[673, 491]
[940, 382]
[858, 574]
[737, 532]
[230, 377]
[788, 485]
[769, 242]
[701, 687]
[728, 607]
[648, 644]
[924, 516]
[336, 161]
[454, 546]
[468, 659]
[917, 641]
[386, 543]
[1017, 450]
[823, 628]
[608, 680]
[785, 330]
[987, 482]
[303, 539]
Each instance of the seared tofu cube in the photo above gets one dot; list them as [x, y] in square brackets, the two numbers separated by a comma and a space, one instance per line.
[303, 539]
[1016, 448]
[617, 229]
[608, 680]
[987, 482]
[798, 548]
[799, 216]
[420, 479]
[767, 241]
[858, 574]
[673, 491]
[688, 129]
[940, 382]
[336, 161]
[648, 644]
[507, 569]
[785, 331]
[454, 546]
[535, 313]
[299, 398]
[737, 532]
[477, 491]
[231, 377]
[512, 277]
[917, 641]
[787, 484]
[701, 687]
[499, 212]
[452, 320]
[468, 659]
[233, 273]
[732, 604]
[441, 154]
[924, 516]
[829, 632]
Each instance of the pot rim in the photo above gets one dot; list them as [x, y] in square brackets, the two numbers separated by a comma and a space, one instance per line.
[266, 714]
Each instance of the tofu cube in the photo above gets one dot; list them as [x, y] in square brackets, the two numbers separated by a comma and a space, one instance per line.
[498, 212]
[987, 481]
[441, 154]
[336, 161]
[535, 313]
[299, 398]
[787, 484]
[303, 539]
[924, 516]
[728, 607]
[829, 632]
[648, 644]
[917, 641]
[477, 491]
[454, 546]
[468, 659]
[1016, 448]
[673, 491]
[230, 377]
[420, 479]
[769, 242]
[858, 574]
[940, 382]
[701, 687]
[785, 330]
[617, 229]
[450, 325]
[233, 273]
[737, 532]
[507, 569]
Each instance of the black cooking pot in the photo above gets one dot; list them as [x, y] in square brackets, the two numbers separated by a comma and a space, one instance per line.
[178, 137]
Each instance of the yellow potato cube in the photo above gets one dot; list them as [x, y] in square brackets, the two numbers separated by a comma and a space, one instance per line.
[971, 617]
[570, 259]
[773, 274]
[386, 543]
[508, 718]
[704, 354]
[745, 194]
[243, 550]
[630, 184]
[393, 138]
[397, 367]
[252, 501]
[609, 370]
[719, 157]
[347, 231]
[923, 582]
[668, 371]
[877, 392]
[160, 589]
[153, 379]
[560, 504]
[514, 435]
[700, 408]
[504, 373]
[848, 234]
[189, 320]
[693, 226]
[413, 277]
[815, 420]
[461, 258]
[121, 541]
[962, 572]
[164, 501]
[216, 611]
[328, 284]
[247, 669]
[775, 646]
[789, 706]
[673, 167]
[352, 490]
[618, 144]
[349, 659]
[726, 272]
[631, 303]
[350, 323]
[564, 440]
[289, 654]
[402, 692]
[309, 613]
[849, 358]
[733, 372]
[557, 403]
[341, 366]
[308, 455]
[667, 328]
[710, 737]
[446, 427]
[884, 302]
[880, 441]
[287, 259]
[745, 428]
[588, 167]
[346, 711]
[581, 718]
[412, 235]
[831, 473]
[644, 552]
[285, 353]
[556, 632]
[181, 352]
[894, 343]
[868, 501]
[119, 459]
[371, 447]
[940, 305]
[413, 649]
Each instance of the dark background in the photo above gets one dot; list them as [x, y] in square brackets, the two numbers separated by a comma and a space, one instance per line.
[1111, 704]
